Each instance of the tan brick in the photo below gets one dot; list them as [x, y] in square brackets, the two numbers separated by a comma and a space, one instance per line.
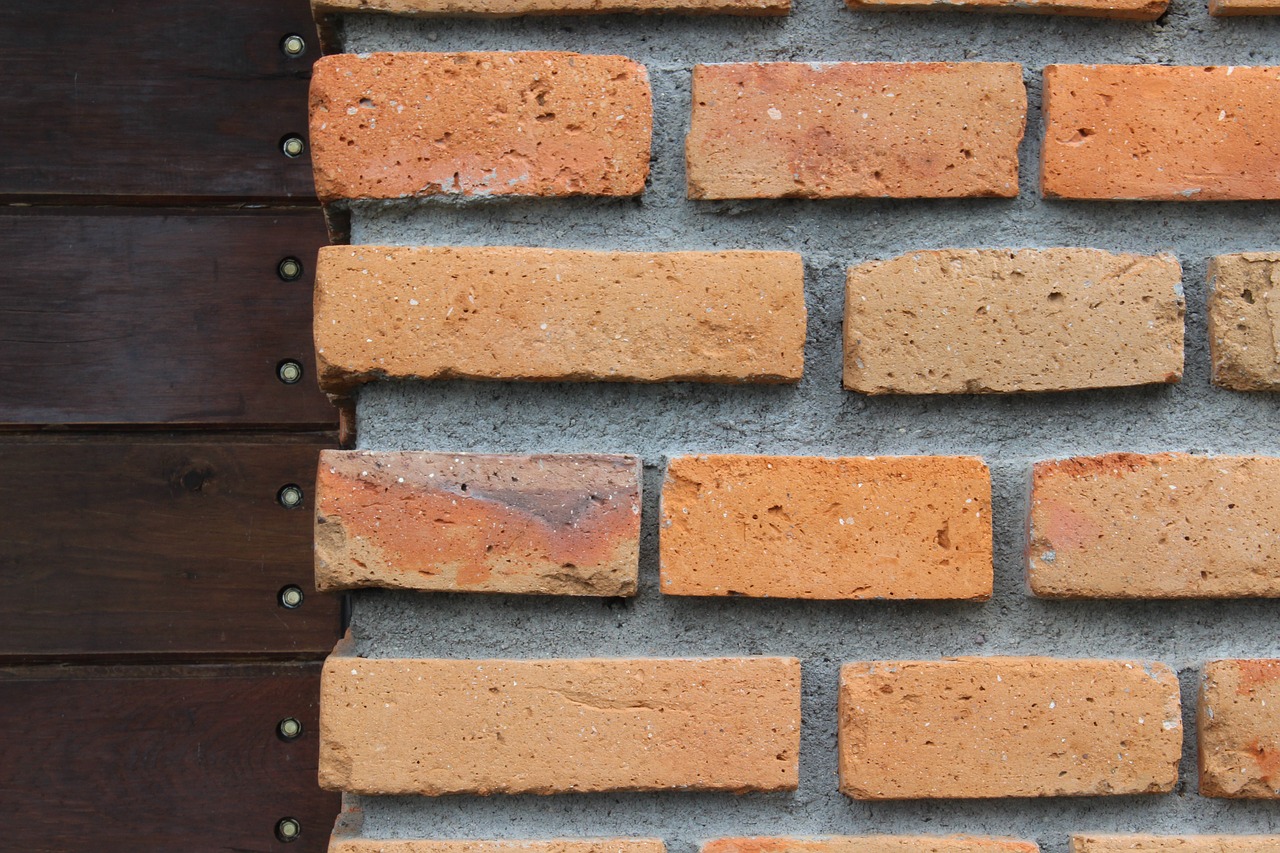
[551, 525]
[1131, 10]
[1165, 525]
[808, 527]
[514, 8]
[966, 321]
[871, 844]
[1244, 321]
[849, 129]
[573, 845]
[1175, 843]
[551, 314]
[1232, 8]
[1162, 133]
[396, 125]
[1239, 724]
[548, 726]
[1008, 727]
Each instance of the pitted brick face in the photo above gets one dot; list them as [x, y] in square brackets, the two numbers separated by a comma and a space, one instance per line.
[1239, 723]
[514, 8]
[1244, 321]
[1231, 8]
[568, 845]
[458, 522]
[1008, 727]
[399, 125]
[1175, 843]
[871, 844]
[1130, 10]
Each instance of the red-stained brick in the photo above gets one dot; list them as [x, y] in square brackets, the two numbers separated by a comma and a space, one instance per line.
[1239, 725]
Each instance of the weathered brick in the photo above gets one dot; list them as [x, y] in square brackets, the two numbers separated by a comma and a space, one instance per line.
[552, 525]
[849, 129]
[551, 314]
[1008, 727]
[1175, 843]
[1164, 525]
[1161, 133]
[396, 125]
[1244, 321]
[1232, 8]
[1131, 10]
[513, 8]
[965, 321]
[871, 844]
[1239, 724]
[808, 527]
[546, 726]
[567, 845]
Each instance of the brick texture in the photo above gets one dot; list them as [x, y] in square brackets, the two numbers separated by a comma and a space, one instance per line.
[964, 321]
[1239, 723]
[807, 527]
[871, 844]
[576, 845]
[1131, 10]
[1008, 727]
[514, 8]
[1166, 525]
[1231, 8]
[1244, 321]
[546, 314]
[1175, 843]
[547, 726]
[395, 125]
[553, 525]
[844, 129]
[1161, 133]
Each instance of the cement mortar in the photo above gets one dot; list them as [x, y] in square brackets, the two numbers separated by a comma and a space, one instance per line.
[818, 418]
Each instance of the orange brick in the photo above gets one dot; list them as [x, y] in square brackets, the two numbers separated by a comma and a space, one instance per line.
[1175, 843]
[807, 527]
[871, 844]
[551, 525]
[1166, 525]
[966, 321]
[568, 845]
[1161, 133]
[1232, 8]
[397, 125]
[549, 726]
[848, 129]
[550, 314]
[1131, 10]
[514, 8]
[1008, 727]
[1244, 321]
[1239, 723]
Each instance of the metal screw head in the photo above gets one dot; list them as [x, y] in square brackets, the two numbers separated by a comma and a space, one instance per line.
[288, 829]
[289, 269]
[291, 598]
[290, 496]
[289, 372]
[293, 146]
[293, 45]
[290, 728]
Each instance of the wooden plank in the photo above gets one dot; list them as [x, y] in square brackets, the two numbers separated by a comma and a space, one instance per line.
[155, 102]
[160, 758]
[160, 548]
[135, 317]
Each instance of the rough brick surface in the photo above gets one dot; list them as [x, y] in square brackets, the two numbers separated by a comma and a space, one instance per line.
[1175, 843]
[1165, 525]
[808, 527]
[546, 314]
[394, 125]
[1155, 132]
[1239, 724]
[1132, 10]
[1008, 727]
[575, 845]
[553, 525]
[1231, 8]
[969, 321]
[1244, 321]
[871, 844]
[546, 726]
[513, 8]
[832, 130]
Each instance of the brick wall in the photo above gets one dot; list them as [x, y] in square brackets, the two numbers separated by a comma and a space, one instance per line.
[626, 313]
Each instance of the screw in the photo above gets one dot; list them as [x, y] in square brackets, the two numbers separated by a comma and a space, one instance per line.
[290, 728]
[289, 372]
[293, 45]
[290, 496]
[288, 829]
[293, 146]
[291, 598]
[289, 269]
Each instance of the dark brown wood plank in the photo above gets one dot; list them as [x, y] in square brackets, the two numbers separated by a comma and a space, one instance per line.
[137, 317]
[155, 102]
[160, 758]
[121, 547]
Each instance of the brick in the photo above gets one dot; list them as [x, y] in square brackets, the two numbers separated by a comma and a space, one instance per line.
[808, 527]
[1232, 8]
[1175, 843]
[871, 844]
[399, 125]
[549, 314]
[514, 8]
[849, 129]
[1165, 525]
[1244, 321]
[575, 845]
[1129, 10]
[551, 525]
[1152, 132]
[1008, 727]
[548, 726]
[1239, 724]
[966, 321]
